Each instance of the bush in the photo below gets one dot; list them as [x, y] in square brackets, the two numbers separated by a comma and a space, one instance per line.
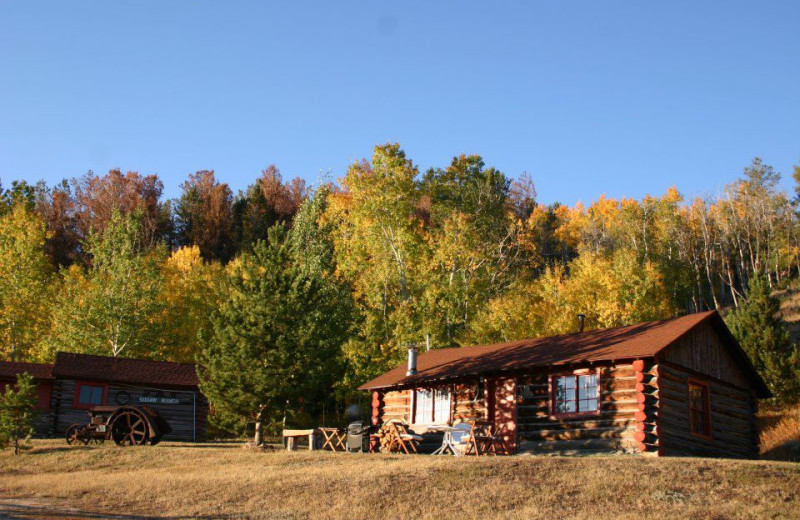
[18, 412]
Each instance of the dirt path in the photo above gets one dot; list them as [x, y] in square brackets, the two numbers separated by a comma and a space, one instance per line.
[18, 508]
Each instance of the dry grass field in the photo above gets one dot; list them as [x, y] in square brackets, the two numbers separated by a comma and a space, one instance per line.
[226, 481]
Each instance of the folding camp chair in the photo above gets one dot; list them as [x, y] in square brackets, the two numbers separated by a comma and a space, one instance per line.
[401, 439]
[483, 441]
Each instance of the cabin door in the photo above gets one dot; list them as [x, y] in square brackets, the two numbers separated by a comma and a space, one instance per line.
[503, 409]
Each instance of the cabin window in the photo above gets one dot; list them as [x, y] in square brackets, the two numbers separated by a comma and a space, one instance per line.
[89, 394]
[431, 406]
[574, 394]
[699, 409]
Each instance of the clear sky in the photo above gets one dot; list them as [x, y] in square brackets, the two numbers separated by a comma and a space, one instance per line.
[623, 98]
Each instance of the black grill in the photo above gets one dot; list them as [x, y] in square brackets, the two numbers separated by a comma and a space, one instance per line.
[357, 437]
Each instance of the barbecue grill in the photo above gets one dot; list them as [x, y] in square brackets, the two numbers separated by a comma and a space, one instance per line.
[357, 437]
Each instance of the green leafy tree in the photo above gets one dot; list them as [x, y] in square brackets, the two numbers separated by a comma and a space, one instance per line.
[113, 308]
[25, 275]
[311, 246]
[473, 241]
[18, 412]
[381, 251]
[757, 326]
[20, 193]
[275, 341]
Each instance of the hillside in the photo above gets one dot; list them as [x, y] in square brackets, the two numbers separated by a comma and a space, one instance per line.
[213, 481]
[790, 311]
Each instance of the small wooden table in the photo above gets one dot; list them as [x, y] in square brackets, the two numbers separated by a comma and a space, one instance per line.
[292, 435]
[333, 438]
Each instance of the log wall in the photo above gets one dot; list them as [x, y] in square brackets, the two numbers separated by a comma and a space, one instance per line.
[187, 417]
[397, 405]
[612, 429]
[733, 427]
[702, 355]
[703, 351]
[467, 403]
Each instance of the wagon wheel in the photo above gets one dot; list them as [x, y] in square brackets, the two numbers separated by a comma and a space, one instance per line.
[129, 429]
[73, 434]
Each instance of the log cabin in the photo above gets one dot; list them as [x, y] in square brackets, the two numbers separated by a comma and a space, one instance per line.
[68, 388]
[678, 387]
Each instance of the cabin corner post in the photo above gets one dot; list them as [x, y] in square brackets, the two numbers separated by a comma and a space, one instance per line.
[377, 407]
[647, 433]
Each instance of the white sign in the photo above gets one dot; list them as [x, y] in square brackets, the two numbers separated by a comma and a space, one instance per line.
[158, 400]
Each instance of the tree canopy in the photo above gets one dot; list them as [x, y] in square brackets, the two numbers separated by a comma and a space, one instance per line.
[290, 296]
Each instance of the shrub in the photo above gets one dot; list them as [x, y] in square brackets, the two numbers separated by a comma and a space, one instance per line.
[17, 412]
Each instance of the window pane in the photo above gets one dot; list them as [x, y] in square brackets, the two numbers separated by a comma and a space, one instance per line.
[424, 406]
[90, 394]
[699, 410]
[85, 396]
[441, 413]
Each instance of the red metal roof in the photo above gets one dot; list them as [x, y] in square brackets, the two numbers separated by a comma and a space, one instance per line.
[10, 369]
[643, 340]
[124, 370]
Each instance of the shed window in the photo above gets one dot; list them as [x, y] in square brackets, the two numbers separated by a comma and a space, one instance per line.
[88, 395]
[699, 409]
[574, 393]
[431, 406]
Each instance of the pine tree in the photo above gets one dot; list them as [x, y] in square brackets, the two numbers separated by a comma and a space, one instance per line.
[18, 412]
[275, 341]
[757, 326]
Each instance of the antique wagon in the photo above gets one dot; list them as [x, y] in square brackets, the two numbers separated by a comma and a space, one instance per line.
[125, 425]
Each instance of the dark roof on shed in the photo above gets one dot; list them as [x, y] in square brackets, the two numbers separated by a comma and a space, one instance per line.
[643, 340]
[10, 369]
[124, 370]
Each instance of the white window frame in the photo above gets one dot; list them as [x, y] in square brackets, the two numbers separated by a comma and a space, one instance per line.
[435, 398]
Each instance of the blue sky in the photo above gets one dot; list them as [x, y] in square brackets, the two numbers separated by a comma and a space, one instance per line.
[623, 98]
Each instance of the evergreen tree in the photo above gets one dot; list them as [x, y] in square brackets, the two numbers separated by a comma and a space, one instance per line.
[757, 326]
[18, 412]
[275, 341]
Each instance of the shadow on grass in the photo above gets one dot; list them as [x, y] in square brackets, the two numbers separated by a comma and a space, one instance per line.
[789, 451]
[52, 449]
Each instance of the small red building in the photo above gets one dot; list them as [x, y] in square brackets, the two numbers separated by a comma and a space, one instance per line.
[76, 382]
[674, 387]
